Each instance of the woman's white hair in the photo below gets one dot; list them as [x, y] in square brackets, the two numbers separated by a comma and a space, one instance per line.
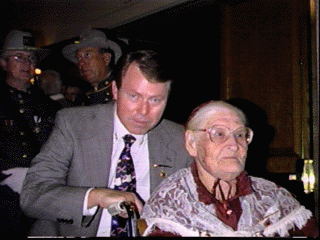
[201, 114]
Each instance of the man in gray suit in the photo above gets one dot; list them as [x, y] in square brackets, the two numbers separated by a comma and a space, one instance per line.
[70, 183]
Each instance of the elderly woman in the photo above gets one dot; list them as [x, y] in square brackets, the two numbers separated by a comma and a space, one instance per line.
[214, 196]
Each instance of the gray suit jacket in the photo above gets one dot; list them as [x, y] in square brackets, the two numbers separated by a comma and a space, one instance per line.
[77, 157]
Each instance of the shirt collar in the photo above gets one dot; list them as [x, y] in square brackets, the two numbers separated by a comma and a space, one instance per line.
[120, 130]
[243, 186]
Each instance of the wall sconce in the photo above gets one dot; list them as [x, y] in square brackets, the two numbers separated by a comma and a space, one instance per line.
[308, 177]
[37, 71]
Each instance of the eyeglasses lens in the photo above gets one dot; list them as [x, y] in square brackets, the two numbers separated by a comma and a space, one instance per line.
[243, 136]
[23, 59]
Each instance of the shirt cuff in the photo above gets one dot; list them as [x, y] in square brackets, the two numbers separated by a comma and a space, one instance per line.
[86, 211]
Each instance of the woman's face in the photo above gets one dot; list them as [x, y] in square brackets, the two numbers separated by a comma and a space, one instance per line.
[214, 160]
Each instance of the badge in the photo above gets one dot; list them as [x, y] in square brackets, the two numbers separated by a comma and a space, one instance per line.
[37, 121]
[163, 173]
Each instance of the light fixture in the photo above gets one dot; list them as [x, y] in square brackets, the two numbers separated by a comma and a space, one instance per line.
[308, 177]
[37, 71]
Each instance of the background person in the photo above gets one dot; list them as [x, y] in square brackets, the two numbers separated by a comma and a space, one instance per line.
[50, 83]
[73, 179]
[95, 56]
[215, 196]
[72, 92]
[26, 119]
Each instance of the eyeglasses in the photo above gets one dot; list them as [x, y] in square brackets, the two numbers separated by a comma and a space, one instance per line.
[19, 58]
[220, 134]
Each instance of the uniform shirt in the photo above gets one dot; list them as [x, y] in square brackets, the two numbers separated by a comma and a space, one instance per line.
[101, 94]
[26, 120]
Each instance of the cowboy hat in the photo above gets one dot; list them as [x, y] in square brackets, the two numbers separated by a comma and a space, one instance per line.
[17, 40]
[91, 38]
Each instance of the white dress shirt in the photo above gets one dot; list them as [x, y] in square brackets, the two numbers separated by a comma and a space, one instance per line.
[140, 157]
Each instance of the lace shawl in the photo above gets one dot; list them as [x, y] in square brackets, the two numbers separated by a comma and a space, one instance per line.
[175, 207]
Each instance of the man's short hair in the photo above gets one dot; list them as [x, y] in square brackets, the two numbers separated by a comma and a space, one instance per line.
[151, 64]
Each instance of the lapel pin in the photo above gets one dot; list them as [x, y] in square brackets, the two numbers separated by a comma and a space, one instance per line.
[162, 174]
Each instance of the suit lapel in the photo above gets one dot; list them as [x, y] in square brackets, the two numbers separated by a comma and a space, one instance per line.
[160, 153]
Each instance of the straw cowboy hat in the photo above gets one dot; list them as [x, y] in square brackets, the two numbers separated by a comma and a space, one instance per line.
[91, 38]
[18, 40]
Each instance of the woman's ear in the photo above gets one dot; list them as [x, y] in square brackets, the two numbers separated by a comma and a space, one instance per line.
[191, 143]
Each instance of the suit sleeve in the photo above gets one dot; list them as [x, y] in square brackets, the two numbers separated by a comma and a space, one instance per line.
[46, 194]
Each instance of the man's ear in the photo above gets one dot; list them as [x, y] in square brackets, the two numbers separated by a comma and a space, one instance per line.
[190, 143]
[114, 90]
[107, 58]
[3, 64]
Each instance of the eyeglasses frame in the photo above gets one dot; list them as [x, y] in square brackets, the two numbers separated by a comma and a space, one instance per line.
[208, 130]
[20, 58]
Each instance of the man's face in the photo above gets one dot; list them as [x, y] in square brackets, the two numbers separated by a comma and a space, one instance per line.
[219, 160]
[71, 93]
[19, 65]
[93, 65]
[140, 103]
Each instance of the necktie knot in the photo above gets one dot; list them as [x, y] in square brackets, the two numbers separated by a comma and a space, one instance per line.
[129, 140]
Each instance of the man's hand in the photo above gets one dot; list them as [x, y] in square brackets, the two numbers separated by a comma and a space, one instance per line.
[103, 198]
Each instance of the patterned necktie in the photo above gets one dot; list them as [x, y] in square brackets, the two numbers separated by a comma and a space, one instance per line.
[125, 181]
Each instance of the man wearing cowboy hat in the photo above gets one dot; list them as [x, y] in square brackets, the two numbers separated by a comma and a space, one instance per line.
[26, 119]
[95, 56]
